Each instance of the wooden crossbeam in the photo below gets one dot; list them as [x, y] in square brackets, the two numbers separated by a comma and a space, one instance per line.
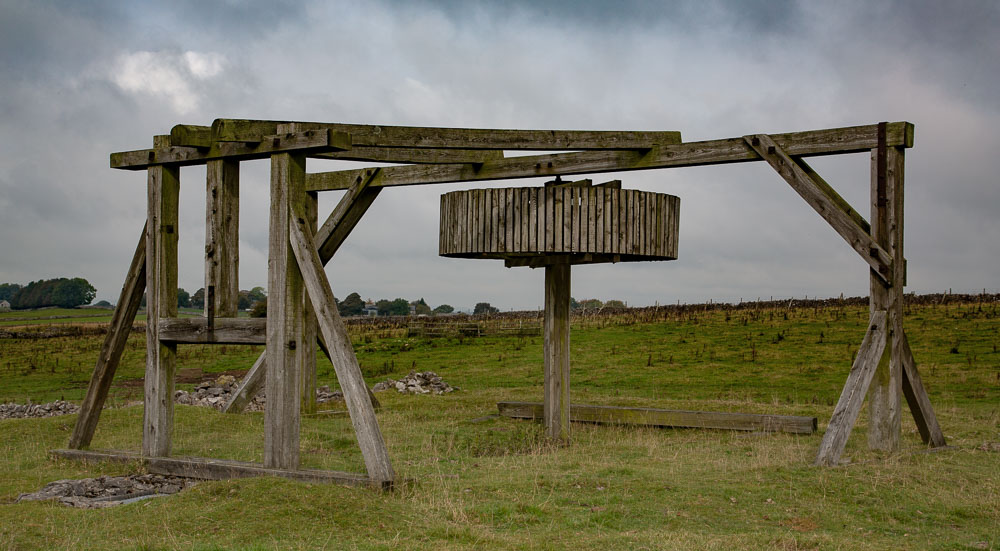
[315, 141]
[222, 331]
[845, 414]
[222, 238]
[656, 417]
[919, 402]
[345, 363]
[111, 351]
[819, 198]
[454, 138]
[854, 139]
[412, 155]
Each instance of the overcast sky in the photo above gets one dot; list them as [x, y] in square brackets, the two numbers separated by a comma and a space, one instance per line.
[79, 80]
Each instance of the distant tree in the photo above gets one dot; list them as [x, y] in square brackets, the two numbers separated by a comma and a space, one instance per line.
[485, 308]
[444, 309]
[590, 304]
[420, 307]
[396, 307]
[352, 305]
[62, 292]
[614, 304]
[8, 290]
[183, 298]
[198, 298]
[573, 304]
[102, 304]
[243, 301]
[257, 294]
[259, 309]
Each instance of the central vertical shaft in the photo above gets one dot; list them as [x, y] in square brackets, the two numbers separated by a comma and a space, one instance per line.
[557, 303]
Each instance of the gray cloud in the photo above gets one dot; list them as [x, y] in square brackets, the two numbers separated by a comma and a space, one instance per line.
[77, 83]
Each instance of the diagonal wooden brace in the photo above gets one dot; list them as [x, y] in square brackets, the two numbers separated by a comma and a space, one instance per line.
[919, 402]
[345, 363]
[849, 406]
[338, 226]
[114, 344]
[819, 197]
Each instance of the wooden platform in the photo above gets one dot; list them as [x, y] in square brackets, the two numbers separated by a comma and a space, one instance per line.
[668, 418]
[216, 469]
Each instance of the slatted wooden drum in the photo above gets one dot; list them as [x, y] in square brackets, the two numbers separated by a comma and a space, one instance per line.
[566, 224]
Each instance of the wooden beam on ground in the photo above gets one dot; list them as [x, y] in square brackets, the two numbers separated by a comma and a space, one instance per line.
[216, 469]
[238, 130]
[667, 417]
[732, 150]
[556, 352]
[222, 331]
[222, 238]
[284, 318]
[111, 351]
[845, 414]
[919, 402]
[249, 386]
[821, 201]
[345, 363]
[163, 187]
[310, 141]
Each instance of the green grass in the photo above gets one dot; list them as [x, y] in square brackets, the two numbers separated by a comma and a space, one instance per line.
[498, 484]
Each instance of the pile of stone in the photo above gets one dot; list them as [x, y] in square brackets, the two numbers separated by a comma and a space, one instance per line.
[426, 382]
[51, 409]
[216, 394]
[106, 491]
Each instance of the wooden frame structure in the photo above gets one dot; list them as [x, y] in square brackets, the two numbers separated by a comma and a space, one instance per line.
[301, 305]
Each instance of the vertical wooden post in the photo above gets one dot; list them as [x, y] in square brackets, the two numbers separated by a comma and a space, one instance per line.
[284, 318]
[163, 187]
[222, 238]
[887, 230]
[310, 328]
[556, 403]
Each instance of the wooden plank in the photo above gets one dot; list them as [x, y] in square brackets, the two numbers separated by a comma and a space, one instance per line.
[111, 351]
[919, 402]
[835, 197]
[599, 223]
[216, 469]
[310, 327]
[314, 141]
[868, 248]
[411, 155]
[222, 238]
[163, 187]
[567, 243]
[510, 222]
[655, 417]
[884, 396]
[456, 138]
[284, 317]
[556, 351]
[224, 331]
[732, 150]
[592, 235]
[249, 386]
[845, 414]
[345, 363]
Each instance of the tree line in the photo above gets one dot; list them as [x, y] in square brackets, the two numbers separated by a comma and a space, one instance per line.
[61, 291]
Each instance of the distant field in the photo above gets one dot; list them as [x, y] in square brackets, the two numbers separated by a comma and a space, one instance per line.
[496, 484]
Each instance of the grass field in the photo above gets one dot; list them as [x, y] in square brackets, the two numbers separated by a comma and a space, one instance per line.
[496, 482]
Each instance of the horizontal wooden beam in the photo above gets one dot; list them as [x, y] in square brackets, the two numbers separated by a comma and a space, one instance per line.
[853, 139]
[239, 130]
[216, 469]
[316, 141]
[222, 331]
[412, 155]
[667, 417]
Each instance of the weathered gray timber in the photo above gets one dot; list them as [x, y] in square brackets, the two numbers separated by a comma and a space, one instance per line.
[566, 218]
[655, 417]
[284, 317]
[919, 402]
[222, 331]
[845, 414]
[215, 469]
[222, 239]
[111, 351]
[345, 363]
[556, 352]
[163, 187]
[249, 386]
[310, 327]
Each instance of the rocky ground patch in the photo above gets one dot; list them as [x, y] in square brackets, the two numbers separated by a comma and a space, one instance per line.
[51, 409]
[216, 394]
[106, 491]
[426, 382]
